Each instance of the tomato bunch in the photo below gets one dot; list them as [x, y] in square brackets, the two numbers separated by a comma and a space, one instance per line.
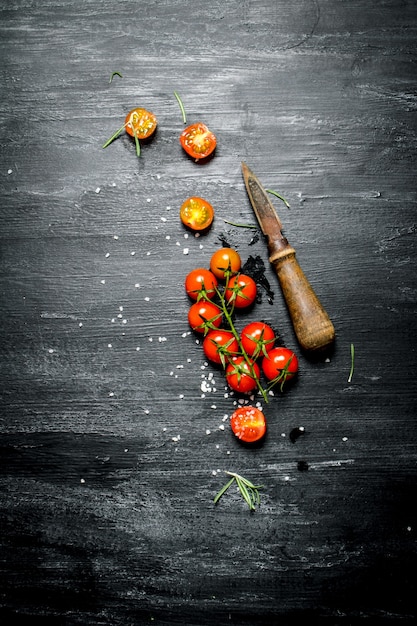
[218, 294]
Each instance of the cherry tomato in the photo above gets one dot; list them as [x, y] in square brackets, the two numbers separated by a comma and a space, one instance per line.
[142, 122]
[248, 424]
[280, 364]
[204, 315]
[201, 284]
[257, 339]
[220, 346]
[240, 375]
[225, 260]
[198, 141]
[241, 291]
[196, 213]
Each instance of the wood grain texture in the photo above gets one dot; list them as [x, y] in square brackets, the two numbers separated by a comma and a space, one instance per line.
[111, 454]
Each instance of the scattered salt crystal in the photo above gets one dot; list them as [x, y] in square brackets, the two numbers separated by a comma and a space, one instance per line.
[107, 255]
[186, 251]
[163, 219]
[80, 324]
[147, 299]
[221, 427]
[97, 189]
[132, 253]
[162, 339]
[124, 321]
[148, 254]
[115, 236]
[208, 431]
[181, 396]
[148, 199]
[137, 285]
[82, 481]
[150, 339]
[109, 345]
[119, 315]
[111, 394]
[213, 406]
[120, 308]
[146, 411]
[51, 350]
[180, 367]
[137, 348]
[103, 282]
[344, 438]
[186, 235]
[168, 237]
[10, 171]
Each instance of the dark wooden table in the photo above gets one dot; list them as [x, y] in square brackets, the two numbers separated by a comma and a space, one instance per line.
[111, 454]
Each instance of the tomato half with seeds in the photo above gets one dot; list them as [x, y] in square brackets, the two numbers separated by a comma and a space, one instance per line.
[248, 423]
[281, 365]
[242, 376]
[201, 284]
[198, 141]
[196, 213]
[241, 291]
[204, 316]
[225, 262]
[220, 346]
[257, 339]
[141, 122]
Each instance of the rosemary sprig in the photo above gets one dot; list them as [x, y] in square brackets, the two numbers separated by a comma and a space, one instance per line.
[278, 195]
[117, 133]
[249, 491]
[184, 117]
[352, 362]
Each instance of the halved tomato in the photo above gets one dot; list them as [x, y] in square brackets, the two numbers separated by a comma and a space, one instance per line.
[196, 213]
[198, 141]
[248, 423]
[141, 122]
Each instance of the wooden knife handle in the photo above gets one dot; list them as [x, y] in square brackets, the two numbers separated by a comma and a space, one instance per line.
[311, 323]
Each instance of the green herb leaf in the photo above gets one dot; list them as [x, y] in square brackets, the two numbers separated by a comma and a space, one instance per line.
[240, 225]
[352, 365]
[115, 74]
[278, 195]
[184, 117]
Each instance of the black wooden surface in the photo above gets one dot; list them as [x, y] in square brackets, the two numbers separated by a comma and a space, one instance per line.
[110, 453]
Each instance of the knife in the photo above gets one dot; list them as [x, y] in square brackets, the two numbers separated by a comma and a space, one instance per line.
[312, 326]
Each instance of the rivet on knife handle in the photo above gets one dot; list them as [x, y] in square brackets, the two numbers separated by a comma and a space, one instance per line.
[312, 325]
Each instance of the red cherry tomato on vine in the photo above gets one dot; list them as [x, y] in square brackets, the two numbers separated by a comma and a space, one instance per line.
[141, 122]
[241, 376]
[196, 213]
[257, 339]
[241, 291]
[225, 260]
[204, 315]
[281, 364]
[220, 346]
[248, 424]
[201, 284]
[198, 141]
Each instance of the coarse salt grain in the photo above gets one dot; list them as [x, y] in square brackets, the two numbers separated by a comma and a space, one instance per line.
[186, 251]
[97, 189]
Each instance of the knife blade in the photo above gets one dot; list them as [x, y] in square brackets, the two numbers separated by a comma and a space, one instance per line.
[312, 325]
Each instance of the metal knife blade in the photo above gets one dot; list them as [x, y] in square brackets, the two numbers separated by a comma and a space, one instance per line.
[264, 210]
